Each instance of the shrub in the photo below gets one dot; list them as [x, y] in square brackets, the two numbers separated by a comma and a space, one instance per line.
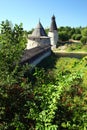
[84, 40]
[73, 36]
[63, 36]
[78, 36]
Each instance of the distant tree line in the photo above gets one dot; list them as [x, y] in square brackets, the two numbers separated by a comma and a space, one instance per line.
[78, 33]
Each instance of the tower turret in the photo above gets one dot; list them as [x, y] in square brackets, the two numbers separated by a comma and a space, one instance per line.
[53, 33]
[38, 37]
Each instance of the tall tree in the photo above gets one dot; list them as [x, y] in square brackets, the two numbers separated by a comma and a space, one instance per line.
[12, 44]
[84, 36]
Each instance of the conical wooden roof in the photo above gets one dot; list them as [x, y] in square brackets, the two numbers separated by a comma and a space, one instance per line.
[53, 24]
[39, 31]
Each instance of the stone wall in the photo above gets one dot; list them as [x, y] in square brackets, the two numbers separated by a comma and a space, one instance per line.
[35, 55]
[37, 42]
[39, 59]
[31, 44]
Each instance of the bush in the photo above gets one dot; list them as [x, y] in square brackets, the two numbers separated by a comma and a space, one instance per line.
[84, 40]
[73, 36]
[75, 46]
[78, 37]
[63, 36]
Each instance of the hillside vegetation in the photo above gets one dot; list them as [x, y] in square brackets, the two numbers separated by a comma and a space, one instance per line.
[72, 47]
[72, 39]
[52, 96]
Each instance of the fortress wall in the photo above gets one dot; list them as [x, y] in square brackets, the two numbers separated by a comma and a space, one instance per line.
[37, 42]
[39, 59]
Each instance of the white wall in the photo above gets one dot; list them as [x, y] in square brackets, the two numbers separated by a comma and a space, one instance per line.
[37, 42]
[53, 37]
[31, 44]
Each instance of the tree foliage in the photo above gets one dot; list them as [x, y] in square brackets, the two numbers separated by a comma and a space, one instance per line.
[12, 44]
[63, 36]
[66, 33]
[84, 32]
[84, 36]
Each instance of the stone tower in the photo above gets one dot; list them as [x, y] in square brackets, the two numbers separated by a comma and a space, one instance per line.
[53, 33]
[38, 37]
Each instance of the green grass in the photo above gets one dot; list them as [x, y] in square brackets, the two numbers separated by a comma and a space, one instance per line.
[74, 47]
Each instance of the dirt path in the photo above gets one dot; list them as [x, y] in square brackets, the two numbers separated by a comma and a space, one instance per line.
[70, 54]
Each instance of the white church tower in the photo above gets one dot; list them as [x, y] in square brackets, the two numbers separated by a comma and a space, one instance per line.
[53, 33]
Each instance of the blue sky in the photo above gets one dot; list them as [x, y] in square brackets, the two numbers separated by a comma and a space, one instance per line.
[68, 12]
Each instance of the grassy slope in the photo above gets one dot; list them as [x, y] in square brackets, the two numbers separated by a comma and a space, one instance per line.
[74, 47]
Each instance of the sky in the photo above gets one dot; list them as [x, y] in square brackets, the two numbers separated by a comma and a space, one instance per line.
[67, 12]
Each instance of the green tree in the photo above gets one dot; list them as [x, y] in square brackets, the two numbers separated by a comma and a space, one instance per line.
[73, 36]
[76, 36]
[84, 32]
[84, 35]
[12, 42]
[15, 91]
[78, 30]
[84, 40]
[63, 36]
